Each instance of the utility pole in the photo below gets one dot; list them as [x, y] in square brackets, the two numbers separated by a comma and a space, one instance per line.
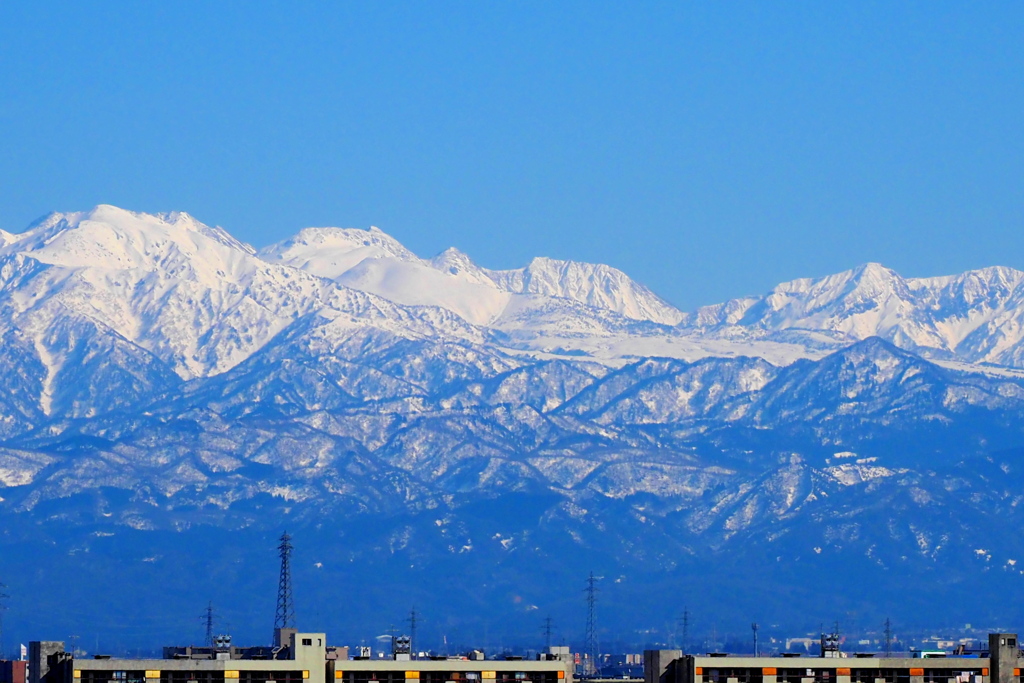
[284, 617]
[888, 638]
[547, 634]
[753, 627]
[412, 633]
[590, 667]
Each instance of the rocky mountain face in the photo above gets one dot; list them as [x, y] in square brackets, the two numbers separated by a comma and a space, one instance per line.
[473, 442]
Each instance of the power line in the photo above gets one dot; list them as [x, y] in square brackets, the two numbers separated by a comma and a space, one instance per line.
[284, 617]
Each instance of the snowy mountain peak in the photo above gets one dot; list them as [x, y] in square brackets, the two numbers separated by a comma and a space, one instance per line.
[373, 261]
[989, 285]
[331, 252]
[858, 298]
[453, 260]
[977, 316]
[110, 238]
[595, 285]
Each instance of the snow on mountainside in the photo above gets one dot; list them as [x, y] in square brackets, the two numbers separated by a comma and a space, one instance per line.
[169, 289]
[331, 252]
[556, 307]
[595, 285]
[976, 317]
[374, 262]
[112, 298]
[159, 374]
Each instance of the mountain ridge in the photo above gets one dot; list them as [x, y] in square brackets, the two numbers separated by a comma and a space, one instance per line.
[974, 317]
[163, 380]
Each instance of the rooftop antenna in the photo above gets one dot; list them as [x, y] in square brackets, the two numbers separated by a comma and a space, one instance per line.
[285, 615]
[547, 634]
[888, 638]
[412, 633]
[590, 667]
[753, 627]
[393, 632]
[830, 646]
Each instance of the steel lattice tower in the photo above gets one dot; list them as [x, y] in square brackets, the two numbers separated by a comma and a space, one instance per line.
[3, 605]
[590, 667]
[208, 617]
[684, 621]
[413, 620]
[285, 615]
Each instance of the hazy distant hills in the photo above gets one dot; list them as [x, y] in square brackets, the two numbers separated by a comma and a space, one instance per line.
[474, 441]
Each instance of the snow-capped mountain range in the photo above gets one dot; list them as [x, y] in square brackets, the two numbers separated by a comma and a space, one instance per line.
[202, 302]
[161, 376]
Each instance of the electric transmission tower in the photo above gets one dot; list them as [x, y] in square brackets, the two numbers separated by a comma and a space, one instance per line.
[209, 619]
[413, 618]
[684, 621]
[753, 627]
[547, 634]
[3, 606]
[590, 667]
[285, 615]
[888, 638]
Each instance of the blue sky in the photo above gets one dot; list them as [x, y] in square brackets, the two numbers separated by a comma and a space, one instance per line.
[710, 150]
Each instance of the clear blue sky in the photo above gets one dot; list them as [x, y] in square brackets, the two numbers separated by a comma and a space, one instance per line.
[708, 149]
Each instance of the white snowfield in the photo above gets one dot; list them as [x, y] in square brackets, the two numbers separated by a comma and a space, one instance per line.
[173, 289]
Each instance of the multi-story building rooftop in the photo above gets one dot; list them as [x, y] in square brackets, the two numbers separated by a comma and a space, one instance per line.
[999, 664]
[299, 658]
